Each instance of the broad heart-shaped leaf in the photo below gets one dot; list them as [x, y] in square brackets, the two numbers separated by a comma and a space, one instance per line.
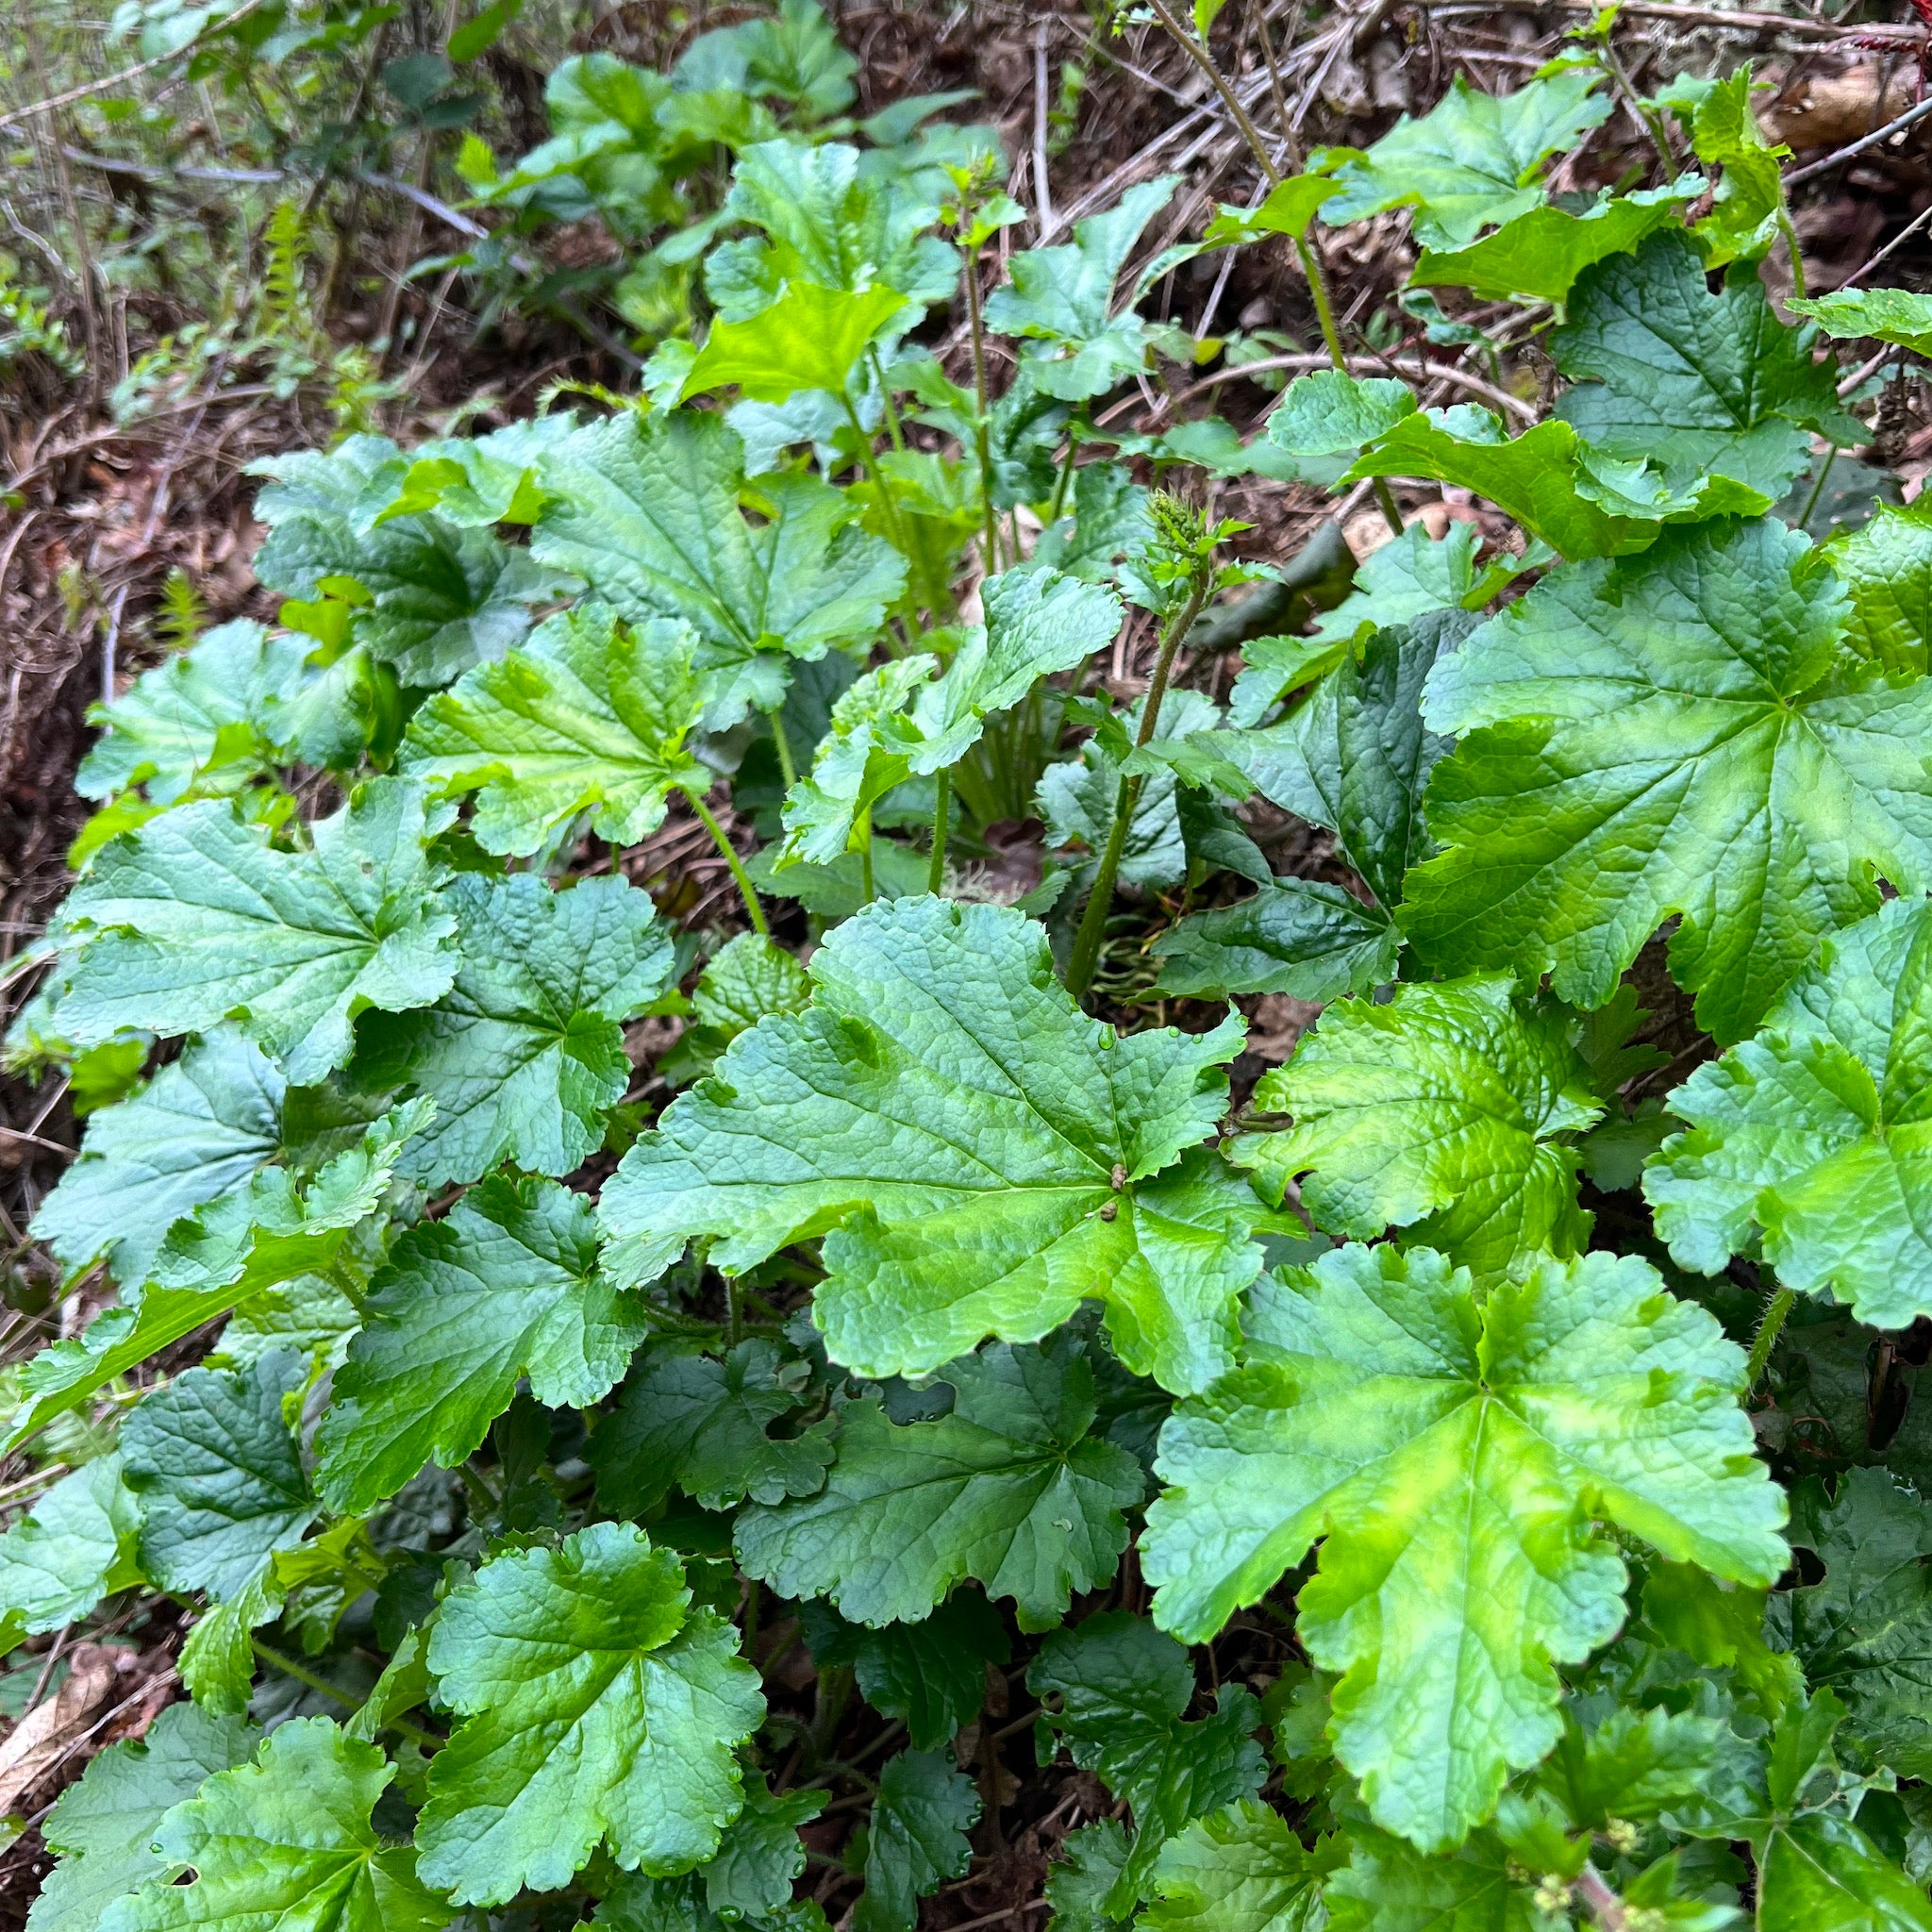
[1355, 756]
[507, 1285]
[76, 1545]
[931, 1673]
[103, 1827]
[1453, 1450]
[1241, 1870]
[196, 918]
[1818, 1131]
[269, 1232]
[1062, 298]
[648, 514]
[440, 597]
[592, 717]
[1879, 315]
[1121, 1689]
[1681, 733]
[825, 219]
[978, 1153]
[1581, 502]
[1885, 566]
[1310, 941]
[199, 1128]
[700, 1425]
[1865, 1629]
[287, 1841]
[1538, 256]
[1445, 1108]
[209, 708]
[918, 1840]
[218, 1475]
[809, 337]
[1698, 384]
[599, 1707]
[1473, 161]
[524, 1054]
[1008, 1489]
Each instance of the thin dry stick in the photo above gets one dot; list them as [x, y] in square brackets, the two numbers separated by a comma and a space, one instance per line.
[95, 87]
[1892, 247]
[1910, 118]
[1042, 193]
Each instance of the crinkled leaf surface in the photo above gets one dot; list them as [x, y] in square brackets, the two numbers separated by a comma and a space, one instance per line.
[1472, 162]
[269, 1232]
[1453, 1451]
[748, 977]
[505, 1285]
[1699, 384]
[1537, 255]
[599, 1707]
[1683, 733]
[918, 1840]
[1122, 1690]
[1446, 1109]
[703, 1425]
[523, 1055]
[442, 597]
[1241, 1870]
[1881, 315]
[196, 918]
[953, 1121]
[592, 717]
[70, 1550]
[1864, 1630]
[216, 1467]
[199, 1128]
[1387, 1885]
[854, 766]
[1355, 756]
[1818, 1131]
[1008, 1489]
[287, 1841]
[206, 708]
[1885, 566]
[648, 515]
[103, 1827]
[1062, 298]
[1299, 937]
[808, 338]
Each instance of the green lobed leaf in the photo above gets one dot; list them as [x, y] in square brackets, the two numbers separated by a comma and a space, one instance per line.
[1448, 1110]
[287, 1840]
[212, 708]
[1454, 1450]
[934, 1025]
[1123, 1688]
[1538, 256]
[70, 1549]
[1683, 733]
[701, 1425]
[508, 1285]
[441, 598]
[1473, 161]
[103, 1827]
[1879, 315]
[746, 979]
[1748, 209]
[1298, 937]
[218, 1475]
[196, 918]
[592, 717]
[648, 514]
[1815, 1131]
[932, 1674]
[524, 1056]
[1241, 1870]
[1698, 384]
[808, 338]
[917, 1839]
[1008, 1489]
[1387, 1885]
[1885, 566]
[598, 1706]
[195, 1132]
